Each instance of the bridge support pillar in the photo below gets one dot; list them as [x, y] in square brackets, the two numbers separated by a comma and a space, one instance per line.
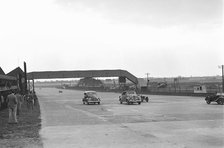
[33, 85]
[122, 82]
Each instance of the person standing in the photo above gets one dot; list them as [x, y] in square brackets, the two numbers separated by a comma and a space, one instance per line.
[12, 105]
[1, 102]
[19, 102]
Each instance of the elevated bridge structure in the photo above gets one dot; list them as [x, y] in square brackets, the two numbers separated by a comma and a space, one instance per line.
[80, 74]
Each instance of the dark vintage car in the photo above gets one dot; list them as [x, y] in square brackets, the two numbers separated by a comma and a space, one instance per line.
[129, 97]
[91, 97]
[219, 98]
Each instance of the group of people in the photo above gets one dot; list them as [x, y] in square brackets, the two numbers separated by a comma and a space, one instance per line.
[14, 101]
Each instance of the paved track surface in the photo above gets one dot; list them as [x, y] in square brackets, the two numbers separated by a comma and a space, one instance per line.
[166, 121]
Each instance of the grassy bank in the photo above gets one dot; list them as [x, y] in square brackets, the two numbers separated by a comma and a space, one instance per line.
[25, 134]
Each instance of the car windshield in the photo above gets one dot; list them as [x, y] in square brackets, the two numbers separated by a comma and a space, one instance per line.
[91, 93]
[131, 92]
[220, 94]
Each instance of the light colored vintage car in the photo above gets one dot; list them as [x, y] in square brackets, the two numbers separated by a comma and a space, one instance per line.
[130, 97]
[90, 97]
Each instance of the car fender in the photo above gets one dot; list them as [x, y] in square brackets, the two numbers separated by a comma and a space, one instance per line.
[220, 98]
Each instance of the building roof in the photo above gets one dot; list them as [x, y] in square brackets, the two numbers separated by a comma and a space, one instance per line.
[1, 71]
[15, 72]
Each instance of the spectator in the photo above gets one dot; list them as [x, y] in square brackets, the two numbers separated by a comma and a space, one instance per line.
[12, 105]
[20, 101]
[29, 101]
[2, 102]
[35, 98]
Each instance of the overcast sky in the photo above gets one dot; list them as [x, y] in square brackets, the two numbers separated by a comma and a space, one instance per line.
[165, 38]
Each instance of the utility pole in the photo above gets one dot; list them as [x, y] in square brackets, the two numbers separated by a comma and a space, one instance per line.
[25, 78]
[222, 66]
[175, 82]
[222, 79]
[147, 79]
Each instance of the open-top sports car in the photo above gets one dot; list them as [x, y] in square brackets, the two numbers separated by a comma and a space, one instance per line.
[130, 97]
[219, 98]
[90, 97]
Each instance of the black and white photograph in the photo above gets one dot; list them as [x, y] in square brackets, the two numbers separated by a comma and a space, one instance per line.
[111, 74]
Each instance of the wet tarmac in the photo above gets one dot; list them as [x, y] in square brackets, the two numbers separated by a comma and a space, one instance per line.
[165, 121]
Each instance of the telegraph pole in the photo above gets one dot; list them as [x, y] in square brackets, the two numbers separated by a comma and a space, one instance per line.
[25, 77]
[222, 66]
[222, 79]
[147, 79]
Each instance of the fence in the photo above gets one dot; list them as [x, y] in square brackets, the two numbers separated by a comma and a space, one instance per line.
[179, 91]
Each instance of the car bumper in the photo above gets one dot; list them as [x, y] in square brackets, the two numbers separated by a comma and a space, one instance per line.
[92, 101]
[134, 101]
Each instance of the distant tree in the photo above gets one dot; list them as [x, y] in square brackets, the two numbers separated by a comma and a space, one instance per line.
[89, 82]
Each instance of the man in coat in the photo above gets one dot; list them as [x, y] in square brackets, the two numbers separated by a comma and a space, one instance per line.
[19, 102]
[12, 105]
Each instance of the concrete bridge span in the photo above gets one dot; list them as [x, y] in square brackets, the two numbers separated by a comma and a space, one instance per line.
[81, 74]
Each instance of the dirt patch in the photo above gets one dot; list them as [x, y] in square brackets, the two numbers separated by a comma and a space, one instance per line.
[25, 134]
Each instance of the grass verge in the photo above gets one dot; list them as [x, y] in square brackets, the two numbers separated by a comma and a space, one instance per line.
[25, 134]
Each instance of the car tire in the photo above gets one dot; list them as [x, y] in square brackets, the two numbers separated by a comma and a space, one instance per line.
[139, 103]
[83, 102]
[147, 99]
[208, 102]
[221, 101]
[98, 103]
[120, 102]
[88, 103]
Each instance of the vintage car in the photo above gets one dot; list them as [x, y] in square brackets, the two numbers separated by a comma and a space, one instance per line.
[90, 97]
[130, 97]
[219, 98]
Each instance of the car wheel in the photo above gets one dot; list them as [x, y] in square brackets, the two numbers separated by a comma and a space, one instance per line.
[98, 103]
[88, 103]
[120, 102]
[208, 102]
[139, 103]
[221, 101]
[83, 102]
[147, 99]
